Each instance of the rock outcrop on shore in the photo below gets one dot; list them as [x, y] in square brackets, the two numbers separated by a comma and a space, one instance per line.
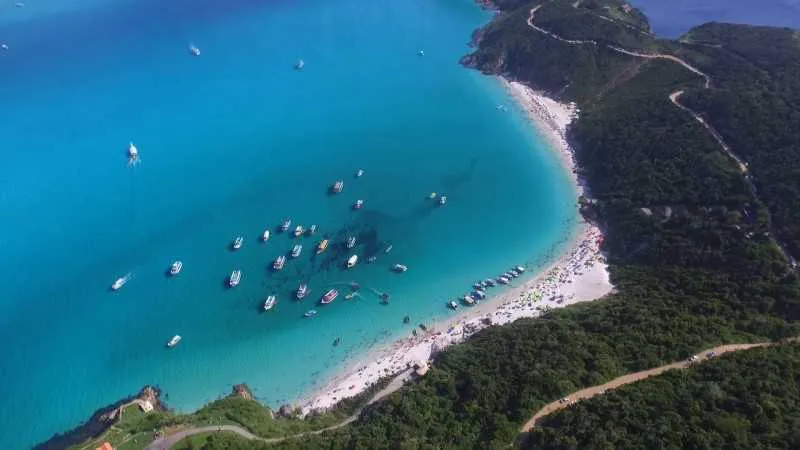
[102, 420]
[243, 391]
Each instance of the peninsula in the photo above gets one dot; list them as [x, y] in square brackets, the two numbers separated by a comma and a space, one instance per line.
[686, 151]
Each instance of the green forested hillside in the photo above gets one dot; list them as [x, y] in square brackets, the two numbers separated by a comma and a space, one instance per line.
[701, 270]
[755, 105]
[747, 401]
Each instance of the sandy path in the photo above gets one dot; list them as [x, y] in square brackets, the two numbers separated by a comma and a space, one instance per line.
[593, 391]
[167, 442]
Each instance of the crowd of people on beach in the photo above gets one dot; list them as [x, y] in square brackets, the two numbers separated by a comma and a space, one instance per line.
[579, 275]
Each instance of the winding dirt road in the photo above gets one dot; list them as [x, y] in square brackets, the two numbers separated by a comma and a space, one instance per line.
[167, 442]
[593, 391]
[674, 98]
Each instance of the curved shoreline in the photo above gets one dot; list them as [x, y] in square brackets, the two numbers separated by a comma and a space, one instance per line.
[577, 274]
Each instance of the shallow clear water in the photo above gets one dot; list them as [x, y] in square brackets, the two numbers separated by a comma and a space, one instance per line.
[232, 142]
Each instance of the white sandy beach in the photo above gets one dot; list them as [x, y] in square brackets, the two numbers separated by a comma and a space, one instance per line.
[579, 275]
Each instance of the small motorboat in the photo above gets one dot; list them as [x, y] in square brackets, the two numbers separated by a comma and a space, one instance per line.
[372, 259]
[329, 297]
[442, 200]
[299, 65]
[503, 280]
[269, 303]
[469, 301]
[452, 305]
[358, 204]
[310, 313]
[299, 231]
[400, 268]
[520, 269]
[312, 230]
[279, 263]
[388, 249]
[237, 243]
[479, 294]
[175, 268]
[351, 242]
[235, 278]
[352, 261]
[406, 319]
[322, 246]
[174, 341]
[421, 53]
[194, 51]
[296, 250]
[337, 186]
[133, 152]
[337, 341]
[359, 173]
[302, 291]
[119, 282]
[265, 236]
[432, 195]
[285, 225]
[490, 282]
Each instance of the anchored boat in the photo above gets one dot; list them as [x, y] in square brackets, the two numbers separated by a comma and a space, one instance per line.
[237, 243]
[119, 282]
[329, 297]
[296, 250]
[400, 268]
[174, 341]
[302, 291]
[235, 278]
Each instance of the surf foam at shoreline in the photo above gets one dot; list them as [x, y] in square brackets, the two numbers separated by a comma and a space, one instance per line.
[579, 275]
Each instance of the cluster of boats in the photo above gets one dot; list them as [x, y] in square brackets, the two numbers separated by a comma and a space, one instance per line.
[479, 289]
[303, 290]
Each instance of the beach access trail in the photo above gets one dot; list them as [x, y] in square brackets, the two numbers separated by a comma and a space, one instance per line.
[593, 391]
[674, 99]
[167, 442]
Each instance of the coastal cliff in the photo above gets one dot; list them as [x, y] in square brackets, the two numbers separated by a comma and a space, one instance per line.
[104, 418]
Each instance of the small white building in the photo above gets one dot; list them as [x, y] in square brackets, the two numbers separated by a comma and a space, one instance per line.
[146, 406]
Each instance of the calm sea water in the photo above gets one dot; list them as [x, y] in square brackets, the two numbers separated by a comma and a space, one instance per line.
[232, 142]
[675, 17]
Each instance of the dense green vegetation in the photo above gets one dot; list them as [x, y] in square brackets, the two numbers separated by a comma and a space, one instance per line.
[135, 429]
[747, 401]
[700, 270]
[760, 82]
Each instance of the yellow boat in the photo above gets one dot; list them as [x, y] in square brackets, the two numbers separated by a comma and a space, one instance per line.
[322, 246]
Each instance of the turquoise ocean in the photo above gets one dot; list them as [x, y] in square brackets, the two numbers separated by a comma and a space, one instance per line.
[232, 142]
